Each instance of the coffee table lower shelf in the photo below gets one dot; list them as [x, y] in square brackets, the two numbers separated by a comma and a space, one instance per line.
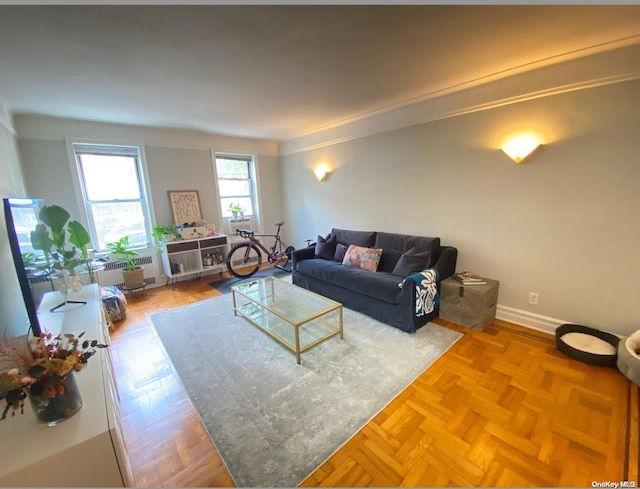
[280, 313]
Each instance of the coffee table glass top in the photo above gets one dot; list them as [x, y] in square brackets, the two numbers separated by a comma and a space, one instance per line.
[297, 318]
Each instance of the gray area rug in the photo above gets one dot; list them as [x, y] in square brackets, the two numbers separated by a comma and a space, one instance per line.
[272, 420]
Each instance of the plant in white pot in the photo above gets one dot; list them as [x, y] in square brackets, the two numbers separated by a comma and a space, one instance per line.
[132, 273]
[50, 237]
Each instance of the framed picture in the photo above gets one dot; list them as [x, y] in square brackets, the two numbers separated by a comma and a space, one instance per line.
[185, 206]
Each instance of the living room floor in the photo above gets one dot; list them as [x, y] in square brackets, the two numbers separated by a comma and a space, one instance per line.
[501, 408]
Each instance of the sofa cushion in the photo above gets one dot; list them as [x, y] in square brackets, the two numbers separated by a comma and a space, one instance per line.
[411, 262]
[377, 285]
[404, 242]
[361, 257]
[358, 238]
[326, 247]
[341, 249]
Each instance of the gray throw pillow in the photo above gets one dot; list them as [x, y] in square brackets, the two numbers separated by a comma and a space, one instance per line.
[412, 262]
[340, 251]
[326, 247]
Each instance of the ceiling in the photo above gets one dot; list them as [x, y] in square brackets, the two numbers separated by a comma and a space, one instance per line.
[278, 72]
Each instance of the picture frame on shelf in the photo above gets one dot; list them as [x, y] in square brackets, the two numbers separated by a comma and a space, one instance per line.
[185, 206]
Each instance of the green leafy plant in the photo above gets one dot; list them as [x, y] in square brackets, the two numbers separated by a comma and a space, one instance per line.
[120, 251]
[50, 237]
[160, 233]
[236, 208]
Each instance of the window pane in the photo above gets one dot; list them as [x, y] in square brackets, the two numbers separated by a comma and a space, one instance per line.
[232, 169]
[229, 188]
[116, 219]
[245, 202]
[110, 177]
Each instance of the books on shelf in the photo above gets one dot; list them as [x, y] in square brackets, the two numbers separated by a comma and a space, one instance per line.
[468, 278]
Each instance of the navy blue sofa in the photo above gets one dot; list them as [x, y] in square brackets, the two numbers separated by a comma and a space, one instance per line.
[376, 294]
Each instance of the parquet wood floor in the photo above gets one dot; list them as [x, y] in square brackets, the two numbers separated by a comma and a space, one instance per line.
[502, 408]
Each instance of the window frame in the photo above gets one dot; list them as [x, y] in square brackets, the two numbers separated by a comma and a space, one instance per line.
[85, 205]
[253, 180]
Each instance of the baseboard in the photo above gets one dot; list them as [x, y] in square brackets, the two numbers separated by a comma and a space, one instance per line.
[529, 319]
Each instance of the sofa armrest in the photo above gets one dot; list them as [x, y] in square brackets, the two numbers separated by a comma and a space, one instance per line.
[446, 264]
[302, 254]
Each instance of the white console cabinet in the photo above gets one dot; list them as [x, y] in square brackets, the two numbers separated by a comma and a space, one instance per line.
[194, 256]
[86, 450]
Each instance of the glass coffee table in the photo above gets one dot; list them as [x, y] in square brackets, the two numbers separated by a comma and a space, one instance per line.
[295, 317]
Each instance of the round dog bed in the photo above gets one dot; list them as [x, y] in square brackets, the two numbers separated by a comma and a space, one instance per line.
[588, 345]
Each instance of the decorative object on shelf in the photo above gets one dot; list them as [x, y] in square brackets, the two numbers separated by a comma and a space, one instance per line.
[55, 399]
[132, 273]
[46, 375]
[197, 229]
[185, 206]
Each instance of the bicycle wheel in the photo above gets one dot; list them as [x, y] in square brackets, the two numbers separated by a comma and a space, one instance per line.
[244, 260]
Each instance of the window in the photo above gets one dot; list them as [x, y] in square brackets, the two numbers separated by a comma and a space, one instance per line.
[236, 183]
[113, 192]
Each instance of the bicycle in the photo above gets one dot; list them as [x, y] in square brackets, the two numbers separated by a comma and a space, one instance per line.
[244, 259]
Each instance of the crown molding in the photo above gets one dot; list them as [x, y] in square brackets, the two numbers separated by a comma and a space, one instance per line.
[5, 120]
[595, 70]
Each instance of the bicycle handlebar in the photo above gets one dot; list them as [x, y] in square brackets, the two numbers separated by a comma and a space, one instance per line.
[245, 233]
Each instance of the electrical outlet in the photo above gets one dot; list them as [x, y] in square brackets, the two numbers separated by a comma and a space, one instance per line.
[533, 298]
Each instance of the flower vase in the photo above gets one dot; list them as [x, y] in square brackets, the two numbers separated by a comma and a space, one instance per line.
[56, 398]
[75, 283]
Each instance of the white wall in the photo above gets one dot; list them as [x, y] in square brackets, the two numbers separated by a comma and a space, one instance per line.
[13, 315]
[565, 224]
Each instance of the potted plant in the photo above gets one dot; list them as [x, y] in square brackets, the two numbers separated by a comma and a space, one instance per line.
[132, 273]
[50, 237]
[236, 209]
[162, 234]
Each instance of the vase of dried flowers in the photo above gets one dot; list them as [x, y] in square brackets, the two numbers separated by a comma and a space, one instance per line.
[47, 376]
[55, 398]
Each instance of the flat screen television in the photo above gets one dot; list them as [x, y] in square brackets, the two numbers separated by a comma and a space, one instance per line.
[21, 216]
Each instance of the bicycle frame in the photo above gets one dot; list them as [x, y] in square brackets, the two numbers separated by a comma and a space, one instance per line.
[272, 254]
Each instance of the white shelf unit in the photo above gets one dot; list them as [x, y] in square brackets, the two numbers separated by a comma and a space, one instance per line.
[86, 450]
[189, 256]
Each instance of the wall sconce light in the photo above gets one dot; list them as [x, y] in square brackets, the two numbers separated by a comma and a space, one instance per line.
[520, 147]
[322, 172]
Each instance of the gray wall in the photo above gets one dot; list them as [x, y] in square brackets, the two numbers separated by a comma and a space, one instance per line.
[13, 315]
[176, 160]
[564, 224]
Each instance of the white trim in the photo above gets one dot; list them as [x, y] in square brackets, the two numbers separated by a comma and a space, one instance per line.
[79, 189]
[597, 69]
[529, 319]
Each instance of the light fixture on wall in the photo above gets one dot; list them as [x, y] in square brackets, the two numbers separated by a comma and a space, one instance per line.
[322, 172]
[519, 147]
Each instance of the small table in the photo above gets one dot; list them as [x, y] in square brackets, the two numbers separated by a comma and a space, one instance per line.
[473, 306]
[295, 317]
